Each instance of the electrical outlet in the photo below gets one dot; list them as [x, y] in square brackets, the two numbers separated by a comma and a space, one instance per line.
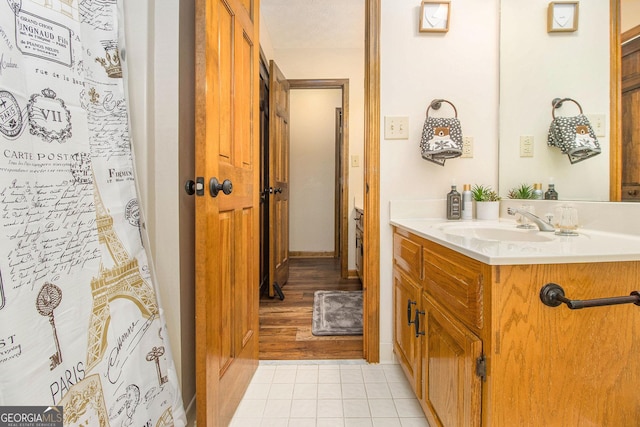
[396, 127]
[355, 161]
[467, 146]
[526, 146]
[598, 123]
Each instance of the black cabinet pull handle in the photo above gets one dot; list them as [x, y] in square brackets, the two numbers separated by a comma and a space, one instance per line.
[552, 295]
[409, 304]
[416, 323]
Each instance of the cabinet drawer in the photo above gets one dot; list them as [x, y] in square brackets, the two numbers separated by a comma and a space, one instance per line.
[455, 281]
[407, 256]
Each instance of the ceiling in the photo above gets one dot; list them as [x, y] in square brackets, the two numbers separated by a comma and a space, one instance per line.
[309, 24]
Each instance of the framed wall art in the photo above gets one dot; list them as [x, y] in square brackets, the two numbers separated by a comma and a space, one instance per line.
[434, 16]
[562, 16]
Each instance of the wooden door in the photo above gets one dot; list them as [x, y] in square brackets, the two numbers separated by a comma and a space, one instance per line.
[631, 119]
[451, 390]
[406, 346]
[278, 179]
[227, 225]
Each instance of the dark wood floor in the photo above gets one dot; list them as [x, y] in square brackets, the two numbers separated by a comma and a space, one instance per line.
[285, 326]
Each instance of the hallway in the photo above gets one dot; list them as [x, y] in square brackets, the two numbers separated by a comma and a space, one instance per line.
[285, 326]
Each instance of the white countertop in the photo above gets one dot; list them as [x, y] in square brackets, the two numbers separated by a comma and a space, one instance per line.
[588, 246]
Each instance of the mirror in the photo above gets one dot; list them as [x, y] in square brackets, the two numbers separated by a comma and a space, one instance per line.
[553, 63]
[537, 66]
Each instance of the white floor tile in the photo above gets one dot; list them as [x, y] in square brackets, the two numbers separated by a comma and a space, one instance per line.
[257, 391]
[383, 408]
[251, 408]
[302, 422]
[357, 422]
[274, 422]
[329, 391]
[287, 375]
[386, 422]
[330, 422]
[353, 391]
[377, 390]
[264, 374]
[356, 408]
[307, 376]
[414, 422]
[329, 376]
[277, 408]
[305, 391]
[351, 376]
[281, 391]
[304, 408]
[408, 408]
[245, 422]
[329, 394]
[401, 390]
[330, 408]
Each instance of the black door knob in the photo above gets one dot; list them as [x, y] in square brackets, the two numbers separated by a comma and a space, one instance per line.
[196, 187]
[215, 187]
[190, 187]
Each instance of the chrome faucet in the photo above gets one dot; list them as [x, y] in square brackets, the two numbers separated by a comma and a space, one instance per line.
[542, 224]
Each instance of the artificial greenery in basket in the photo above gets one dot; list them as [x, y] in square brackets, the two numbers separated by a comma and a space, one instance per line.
[524, 191]
[484, 193]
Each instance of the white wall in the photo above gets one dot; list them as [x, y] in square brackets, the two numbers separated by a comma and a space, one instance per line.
[313, 168]
[535, 68]
[336, 64]
[160, 94]
[460, 66]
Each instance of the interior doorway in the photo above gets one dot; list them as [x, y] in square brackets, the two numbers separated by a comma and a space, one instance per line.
[329, 160]
[318, 207]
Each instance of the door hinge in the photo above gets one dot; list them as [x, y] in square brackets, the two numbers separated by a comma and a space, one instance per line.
[481, 367]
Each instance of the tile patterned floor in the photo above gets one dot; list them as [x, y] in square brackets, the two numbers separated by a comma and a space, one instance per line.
[329, 394]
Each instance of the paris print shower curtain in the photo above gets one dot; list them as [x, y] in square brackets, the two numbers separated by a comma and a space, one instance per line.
[81, 327]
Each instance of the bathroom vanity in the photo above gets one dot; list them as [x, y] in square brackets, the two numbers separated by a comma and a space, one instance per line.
[481, 349]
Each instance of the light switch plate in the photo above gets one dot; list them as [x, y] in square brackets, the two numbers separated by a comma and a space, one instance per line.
[467, 146]
[598, 123]
[396, 127]
[526, 146]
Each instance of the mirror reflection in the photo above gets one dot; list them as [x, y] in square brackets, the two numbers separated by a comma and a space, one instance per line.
[537, 66]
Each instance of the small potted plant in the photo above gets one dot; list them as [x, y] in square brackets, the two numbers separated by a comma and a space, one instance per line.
[487, 202]
[524, 191]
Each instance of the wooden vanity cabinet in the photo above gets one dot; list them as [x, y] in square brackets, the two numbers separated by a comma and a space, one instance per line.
[489, 353]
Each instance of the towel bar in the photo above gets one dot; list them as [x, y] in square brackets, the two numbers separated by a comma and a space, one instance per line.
[552, 295]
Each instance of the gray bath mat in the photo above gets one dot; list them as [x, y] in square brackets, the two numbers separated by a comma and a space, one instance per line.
[337, 313]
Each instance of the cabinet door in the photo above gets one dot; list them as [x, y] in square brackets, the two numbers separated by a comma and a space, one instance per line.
[406, 295]
[451, 390]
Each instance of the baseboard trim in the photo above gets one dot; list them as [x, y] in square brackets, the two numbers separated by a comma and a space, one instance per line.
[310, 254]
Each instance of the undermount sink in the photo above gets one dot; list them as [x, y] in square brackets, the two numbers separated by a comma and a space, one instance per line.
[496, 233]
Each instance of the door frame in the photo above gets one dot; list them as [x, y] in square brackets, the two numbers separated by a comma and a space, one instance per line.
[371, 240]
[343, 85]
[615, 115]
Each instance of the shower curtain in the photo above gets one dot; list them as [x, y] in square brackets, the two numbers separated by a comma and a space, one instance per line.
[81, 326]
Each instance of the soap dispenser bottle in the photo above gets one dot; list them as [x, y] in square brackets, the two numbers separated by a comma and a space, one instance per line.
[467, 202]
[551, 193]
[537, 191]
[454, 204]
